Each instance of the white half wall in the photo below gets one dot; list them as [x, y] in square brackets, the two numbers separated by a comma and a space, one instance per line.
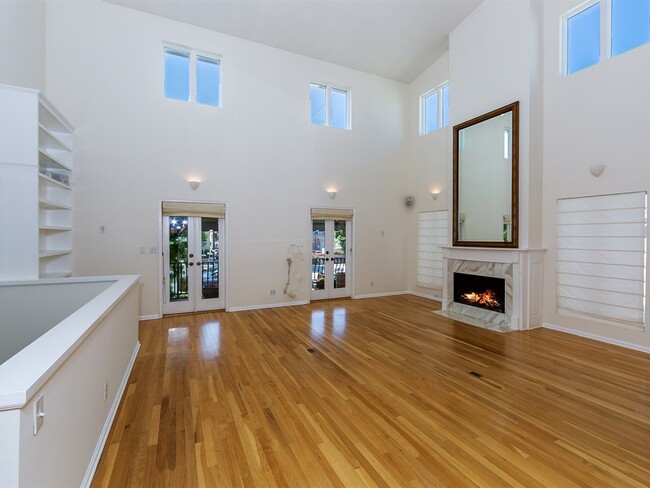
[22, 37]
[258, 153]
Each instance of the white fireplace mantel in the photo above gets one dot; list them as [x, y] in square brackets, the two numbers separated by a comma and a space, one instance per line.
[523, 271]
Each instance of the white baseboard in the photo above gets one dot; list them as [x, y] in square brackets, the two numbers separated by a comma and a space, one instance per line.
[149, 317]
[378, 295]
[99, 448]
[268, 305]
[422, 295]
[588, 335]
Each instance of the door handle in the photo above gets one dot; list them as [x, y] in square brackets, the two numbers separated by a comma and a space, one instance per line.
[327, 259]
[198, 263]
[190, 264]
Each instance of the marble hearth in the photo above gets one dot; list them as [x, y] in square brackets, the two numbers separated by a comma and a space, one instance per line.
[522, 270]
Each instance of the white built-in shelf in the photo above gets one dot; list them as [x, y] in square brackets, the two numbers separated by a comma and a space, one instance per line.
[49, 141]
[50, 254]
[54, 228]
[38, 167]
[48, 160]
[47, 276]
[54, 182]
[60, 139]
[49, 205]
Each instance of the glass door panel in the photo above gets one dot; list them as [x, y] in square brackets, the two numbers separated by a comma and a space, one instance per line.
[192, 265]
[210, 265]
[318, 272]
[339, 253]
[329, 260]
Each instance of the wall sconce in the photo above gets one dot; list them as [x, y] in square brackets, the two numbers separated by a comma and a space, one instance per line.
[597, 169]
[194, 184]
[331, 193]
[434, 194]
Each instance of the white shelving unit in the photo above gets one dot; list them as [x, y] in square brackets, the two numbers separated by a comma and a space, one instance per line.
[36, 180]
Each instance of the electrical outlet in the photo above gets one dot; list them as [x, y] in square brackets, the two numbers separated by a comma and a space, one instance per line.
[39, 413]
[153, 250]
[105, 391]
[372, 283]
[102, 229]
[272, 293]
[142, 250]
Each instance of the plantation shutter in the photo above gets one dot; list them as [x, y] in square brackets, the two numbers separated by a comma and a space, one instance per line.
[194, 209]
[331, 213]
[432, 233]
[601, 256]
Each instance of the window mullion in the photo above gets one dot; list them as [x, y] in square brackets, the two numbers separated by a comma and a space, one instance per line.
[439, 107]
[605, 29]
[328, 105]
[192, 76]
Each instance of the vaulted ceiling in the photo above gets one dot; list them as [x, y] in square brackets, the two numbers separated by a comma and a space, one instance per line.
[396, 39]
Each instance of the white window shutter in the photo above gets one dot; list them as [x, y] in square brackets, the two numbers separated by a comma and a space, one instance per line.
[601, 254]
[432, 233]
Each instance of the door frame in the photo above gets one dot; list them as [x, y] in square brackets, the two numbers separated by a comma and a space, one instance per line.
[223, 250]
[350, 253]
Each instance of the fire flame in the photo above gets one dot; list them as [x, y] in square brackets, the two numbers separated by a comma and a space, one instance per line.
[486, 299]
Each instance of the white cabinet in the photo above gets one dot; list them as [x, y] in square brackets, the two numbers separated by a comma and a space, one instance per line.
[36, 161]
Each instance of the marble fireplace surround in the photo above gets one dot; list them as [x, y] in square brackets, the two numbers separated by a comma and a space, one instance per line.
[522, 270]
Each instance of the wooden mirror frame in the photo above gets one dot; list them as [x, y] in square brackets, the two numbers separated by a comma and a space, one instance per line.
[514, 242]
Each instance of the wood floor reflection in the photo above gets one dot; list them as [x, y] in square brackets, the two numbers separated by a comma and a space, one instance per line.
[376, 392]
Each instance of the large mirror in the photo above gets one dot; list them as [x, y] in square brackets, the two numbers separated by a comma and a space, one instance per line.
[486, 179]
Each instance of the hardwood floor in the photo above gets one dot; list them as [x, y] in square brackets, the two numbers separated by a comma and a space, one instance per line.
[376, 392]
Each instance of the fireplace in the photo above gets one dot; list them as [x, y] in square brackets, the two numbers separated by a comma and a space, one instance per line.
[485, 292]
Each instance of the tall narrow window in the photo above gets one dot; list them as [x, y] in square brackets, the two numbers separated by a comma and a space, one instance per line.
[582, 37]
[318, 99]
[330, 106]
[434, 109]
[177, 74]
[192, 77]
[208, 81]
[445, 105]
[630, 24]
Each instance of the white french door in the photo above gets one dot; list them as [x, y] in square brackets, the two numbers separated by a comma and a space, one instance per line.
[330, 260]
[192, 264]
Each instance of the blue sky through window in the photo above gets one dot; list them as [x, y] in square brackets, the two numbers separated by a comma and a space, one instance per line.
[431, 112]
[630, 24]
[208, 79]
[445, 106]
[339, 108]
[177, 75]
[317, 100]
[583, 39]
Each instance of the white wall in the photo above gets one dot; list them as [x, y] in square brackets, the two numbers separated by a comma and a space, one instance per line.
[598, 115]
[75, 410]
[429, 163]
[258, 153]
[494, 60]
[22, 37]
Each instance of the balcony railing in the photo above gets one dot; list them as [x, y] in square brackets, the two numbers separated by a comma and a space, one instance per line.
[178, 279]
[318, 271]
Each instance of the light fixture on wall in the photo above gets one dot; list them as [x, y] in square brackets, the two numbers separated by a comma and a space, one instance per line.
[434, 194]
[597, 169]
[331, 193]
[194, 184]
